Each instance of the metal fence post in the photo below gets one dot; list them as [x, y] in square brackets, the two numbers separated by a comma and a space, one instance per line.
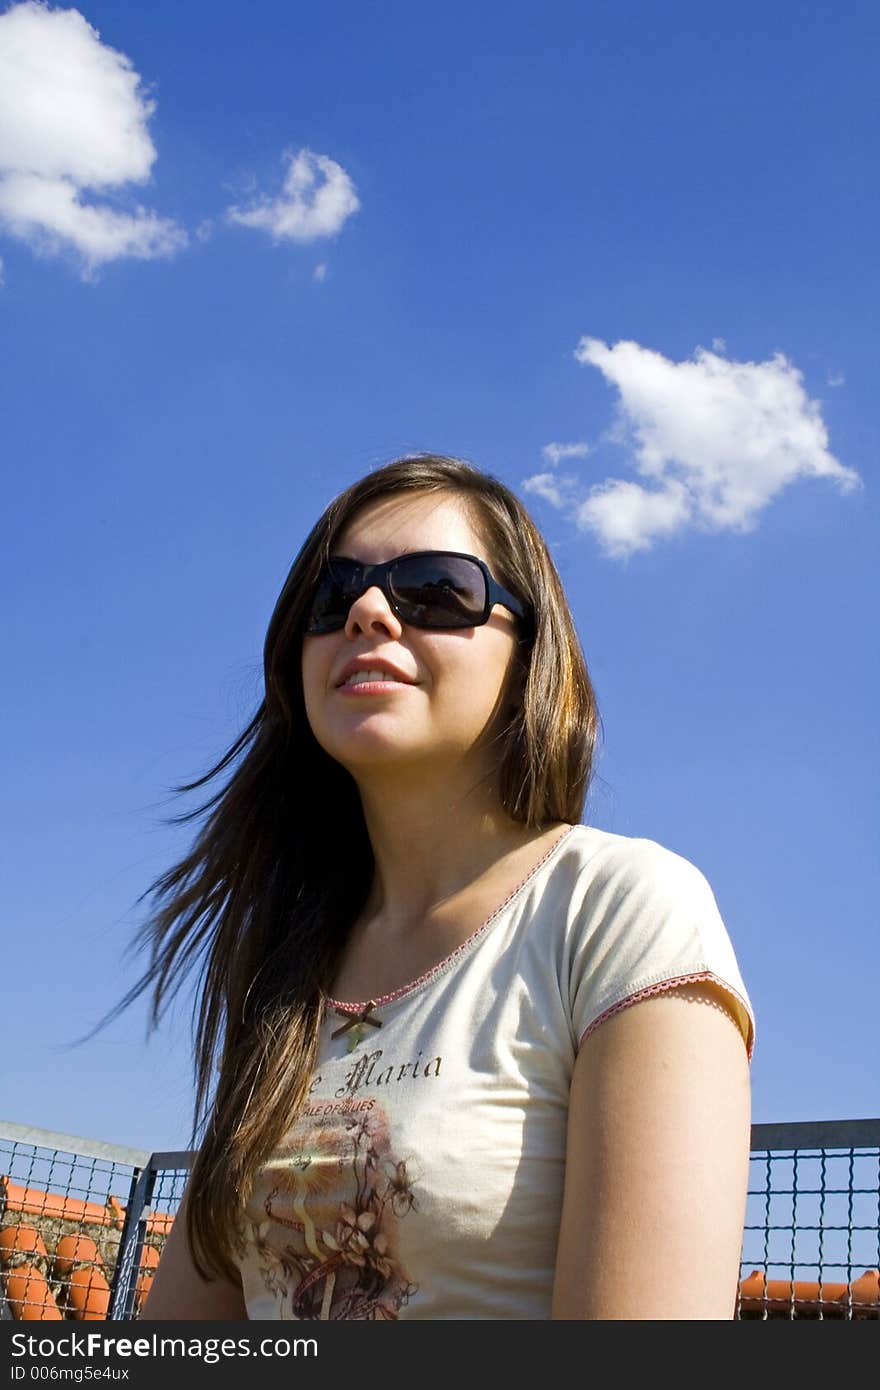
[131, 1244]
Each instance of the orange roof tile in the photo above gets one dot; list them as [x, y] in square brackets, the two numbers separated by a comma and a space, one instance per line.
[27, 1290]
[34, 1201]
[802, 1297]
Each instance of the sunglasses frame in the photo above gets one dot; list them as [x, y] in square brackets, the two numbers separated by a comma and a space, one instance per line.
[379, 574]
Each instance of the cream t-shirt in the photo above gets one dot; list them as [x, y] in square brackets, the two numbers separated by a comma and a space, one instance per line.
[424, 1177]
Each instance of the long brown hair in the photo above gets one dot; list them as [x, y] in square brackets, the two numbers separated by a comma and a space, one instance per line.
[260, 901]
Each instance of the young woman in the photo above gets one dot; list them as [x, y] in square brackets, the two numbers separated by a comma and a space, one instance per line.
[475, 1059]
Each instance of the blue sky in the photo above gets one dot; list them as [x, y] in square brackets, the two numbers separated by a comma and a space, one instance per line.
[624, 257]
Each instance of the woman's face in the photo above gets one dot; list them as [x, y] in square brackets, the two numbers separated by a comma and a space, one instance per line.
[459, 677]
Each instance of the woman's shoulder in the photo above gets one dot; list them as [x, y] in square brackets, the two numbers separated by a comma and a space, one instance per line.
[597, 884]
[631, 899]
[633, 917]
[594, 885]
[627, 860]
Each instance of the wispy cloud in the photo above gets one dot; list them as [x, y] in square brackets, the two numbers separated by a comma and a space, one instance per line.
[715, 440]
[320, 272]
[554, 453]
[836, 379]
[561, 489]
[73, 121]
[316, 200]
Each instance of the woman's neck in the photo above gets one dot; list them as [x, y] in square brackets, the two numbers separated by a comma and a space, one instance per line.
[432, 841]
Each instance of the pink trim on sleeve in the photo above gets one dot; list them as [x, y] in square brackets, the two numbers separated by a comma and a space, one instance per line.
[671, 984]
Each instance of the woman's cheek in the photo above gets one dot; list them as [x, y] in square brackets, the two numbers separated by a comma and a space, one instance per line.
[313, 700]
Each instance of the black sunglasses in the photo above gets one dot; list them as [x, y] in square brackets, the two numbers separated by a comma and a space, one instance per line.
[427, 588]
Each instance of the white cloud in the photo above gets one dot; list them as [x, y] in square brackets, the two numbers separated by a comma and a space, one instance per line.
[48, 213]
[2, 276]
[627, 517]
[559, 489]
[317, 199]
[836, 379]
[719, 345]
[715, 440]
[73, 119]
[320, 272]
[553, 453]
[205, 229]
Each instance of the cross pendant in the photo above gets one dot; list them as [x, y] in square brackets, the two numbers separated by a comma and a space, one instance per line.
[355, 1024]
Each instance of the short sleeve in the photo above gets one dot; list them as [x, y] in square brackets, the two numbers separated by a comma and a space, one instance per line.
[647, 921]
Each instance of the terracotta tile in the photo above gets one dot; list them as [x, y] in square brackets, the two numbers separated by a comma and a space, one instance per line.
[24, 1255]
[779, 1296]
[88, 1294]
[29, 1296]
[78, 1265]
[34, 1201]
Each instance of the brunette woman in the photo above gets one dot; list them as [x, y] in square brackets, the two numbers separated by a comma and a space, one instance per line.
[459, 1055]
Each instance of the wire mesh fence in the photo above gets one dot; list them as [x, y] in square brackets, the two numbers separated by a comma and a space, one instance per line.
[83, 1224]
[811, 1244]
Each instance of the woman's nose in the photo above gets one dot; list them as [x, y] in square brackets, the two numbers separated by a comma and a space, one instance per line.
[368, 610]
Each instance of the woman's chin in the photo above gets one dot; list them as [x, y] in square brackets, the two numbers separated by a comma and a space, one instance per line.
[378, 751]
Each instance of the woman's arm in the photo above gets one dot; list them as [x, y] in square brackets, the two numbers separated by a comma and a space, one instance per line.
[657, 1163]
[178, 1290]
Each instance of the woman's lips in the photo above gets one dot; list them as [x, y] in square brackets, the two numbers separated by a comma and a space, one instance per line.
[373, 687]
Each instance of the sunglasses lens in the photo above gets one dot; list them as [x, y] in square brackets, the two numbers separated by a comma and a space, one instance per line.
[439, 591]
[442, 591]
[334, 596]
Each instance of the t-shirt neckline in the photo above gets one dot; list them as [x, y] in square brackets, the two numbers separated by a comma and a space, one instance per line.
[345, 1007]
